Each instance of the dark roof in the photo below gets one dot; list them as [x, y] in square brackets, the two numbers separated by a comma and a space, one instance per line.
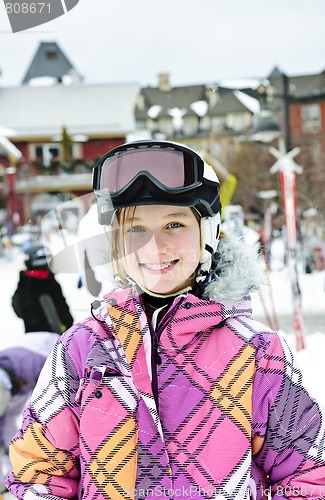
[177, 97]
[49, 60]
[227, 102]
[275, 72]
[300, 86]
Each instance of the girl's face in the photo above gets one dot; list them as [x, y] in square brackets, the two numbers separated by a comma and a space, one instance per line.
[161, 247]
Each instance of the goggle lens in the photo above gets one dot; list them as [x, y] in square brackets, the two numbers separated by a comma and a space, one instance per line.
[173, 169]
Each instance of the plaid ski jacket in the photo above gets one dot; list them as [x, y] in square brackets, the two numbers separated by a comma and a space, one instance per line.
[122, 412]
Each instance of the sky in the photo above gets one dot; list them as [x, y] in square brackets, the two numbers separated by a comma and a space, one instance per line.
[206, 41]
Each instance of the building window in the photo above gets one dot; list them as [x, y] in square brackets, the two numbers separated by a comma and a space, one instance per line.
[190, 125]
[51, 55]
[238, 121]
[310, 118]
[218, 124]
[166, 126]
[47, 153]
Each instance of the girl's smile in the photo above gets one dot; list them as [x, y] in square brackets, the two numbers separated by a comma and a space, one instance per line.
[159, 267]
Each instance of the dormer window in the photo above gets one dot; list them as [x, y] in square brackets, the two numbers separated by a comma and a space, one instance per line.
[310, 118]
[51, 54]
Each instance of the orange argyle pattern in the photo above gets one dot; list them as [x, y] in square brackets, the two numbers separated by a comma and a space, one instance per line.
[115, 462]
[233, 391]
[127, 329]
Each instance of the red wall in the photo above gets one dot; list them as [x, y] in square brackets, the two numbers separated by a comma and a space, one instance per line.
[23, 147]
[94, 148]
[322, 114]
[295, 123]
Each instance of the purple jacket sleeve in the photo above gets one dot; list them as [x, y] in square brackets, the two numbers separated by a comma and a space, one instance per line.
[292, 423]
[45, 452]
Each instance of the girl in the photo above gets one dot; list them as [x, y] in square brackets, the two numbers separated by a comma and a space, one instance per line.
[170, 390]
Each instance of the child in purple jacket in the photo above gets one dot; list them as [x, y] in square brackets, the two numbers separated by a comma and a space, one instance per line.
[19, 371]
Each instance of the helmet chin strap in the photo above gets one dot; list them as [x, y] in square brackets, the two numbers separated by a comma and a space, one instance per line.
[210, 231]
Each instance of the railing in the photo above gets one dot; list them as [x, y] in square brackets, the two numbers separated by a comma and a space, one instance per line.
[61, 182]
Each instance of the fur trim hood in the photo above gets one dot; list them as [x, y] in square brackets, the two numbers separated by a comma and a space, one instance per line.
[238, 270]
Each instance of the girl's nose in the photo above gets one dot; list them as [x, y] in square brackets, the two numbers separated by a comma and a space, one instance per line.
[156, 244]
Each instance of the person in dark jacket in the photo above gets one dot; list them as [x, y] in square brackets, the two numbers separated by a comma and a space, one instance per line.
[39, 299]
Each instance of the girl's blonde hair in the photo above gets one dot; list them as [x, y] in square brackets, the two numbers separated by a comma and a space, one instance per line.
[118, 225]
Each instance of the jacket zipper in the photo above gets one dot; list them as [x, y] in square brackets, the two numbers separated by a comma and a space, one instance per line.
[156, 350]
[155, 357]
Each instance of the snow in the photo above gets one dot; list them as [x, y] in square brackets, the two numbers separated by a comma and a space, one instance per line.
[277, 291]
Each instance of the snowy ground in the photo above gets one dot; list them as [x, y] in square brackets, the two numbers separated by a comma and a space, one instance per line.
[311, 359]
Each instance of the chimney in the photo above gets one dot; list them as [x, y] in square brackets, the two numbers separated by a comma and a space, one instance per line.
[163, 82]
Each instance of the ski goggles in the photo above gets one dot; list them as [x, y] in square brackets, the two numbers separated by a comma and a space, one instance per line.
[172, 168]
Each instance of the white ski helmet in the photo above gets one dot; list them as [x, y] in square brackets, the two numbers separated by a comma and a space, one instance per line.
[154, 172]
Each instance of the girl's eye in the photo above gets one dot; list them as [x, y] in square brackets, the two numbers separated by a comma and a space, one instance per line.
[135, 229]
[175, 224]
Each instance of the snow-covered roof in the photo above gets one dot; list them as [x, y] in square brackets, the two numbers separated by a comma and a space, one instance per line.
[83, 109]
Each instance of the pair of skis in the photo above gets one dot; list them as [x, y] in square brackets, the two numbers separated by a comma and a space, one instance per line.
[287, 169]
